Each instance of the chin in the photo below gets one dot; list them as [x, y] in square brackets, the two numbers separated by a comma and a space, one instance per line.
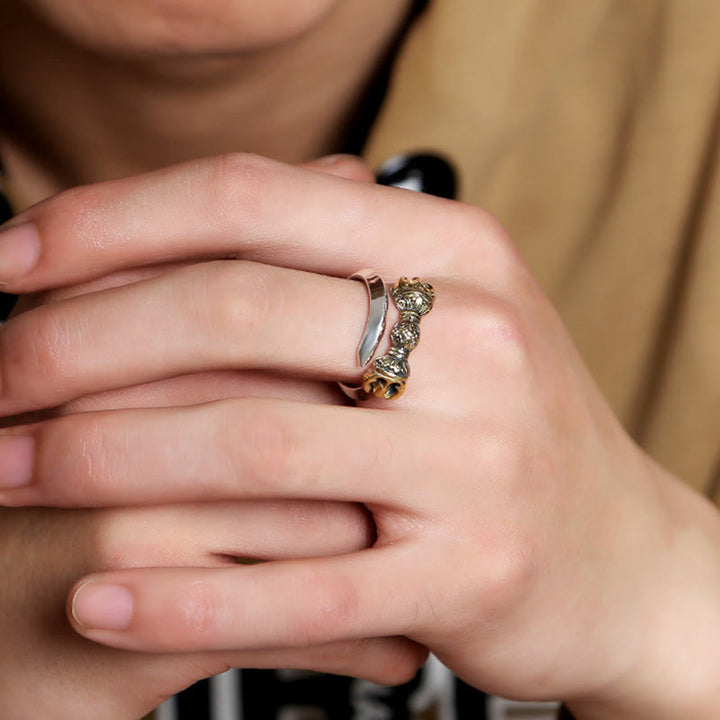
[137, 28]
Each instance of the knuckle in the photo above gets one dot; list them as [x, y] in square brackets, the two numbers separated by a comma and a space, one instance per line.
[507, 577]
[261, 448]
[89, 213]
[97, 464]
[472, 219]
[492, 331]
[196, 612]
[77, 205]
[37, 345]
[234, 303]
[82, 215]
[481, 242]
[233, 184]
[500, 460]
[75, 459]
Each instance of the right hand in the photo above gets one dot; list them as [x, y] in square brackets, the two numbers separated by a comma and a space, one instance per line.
[47, 670]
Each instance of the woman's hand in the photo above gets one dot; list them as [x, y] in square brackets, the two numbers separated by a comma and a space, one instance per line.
[192, 388]
[521, 535]
[48, 669]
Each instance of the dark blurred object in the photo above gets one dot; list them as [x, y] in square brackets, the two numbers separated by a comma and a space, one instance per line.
[7, 302]
[5, 210]
[423, 172]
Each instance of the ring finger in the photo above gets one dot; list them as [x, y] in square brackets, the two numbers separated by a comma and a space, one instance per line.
[225, 314]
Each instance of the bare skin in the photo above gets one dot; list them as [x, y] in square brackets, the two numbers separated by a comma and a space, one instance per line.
[522, 536]
[122, 108]
[78, 109]
[565, 534]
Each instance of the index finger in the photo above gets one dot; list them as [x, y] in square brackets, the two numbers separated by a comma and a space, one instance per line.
[239, 205]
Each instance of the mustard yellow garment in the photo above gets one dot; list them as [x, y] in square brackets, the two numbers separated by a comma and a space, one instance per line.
[590, 128]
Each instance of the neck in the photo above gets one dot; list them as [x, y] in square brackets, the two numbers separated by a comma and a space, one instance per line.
[73, 116]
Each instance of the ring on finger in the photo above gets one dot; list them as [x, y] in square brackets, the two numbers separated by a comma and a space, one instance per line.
[374, 326]
[387, 376]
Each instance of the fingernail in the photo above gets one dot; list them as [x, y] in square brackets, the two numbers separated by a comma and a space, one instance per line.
[17, 455]
[19, 251]
[97, 606]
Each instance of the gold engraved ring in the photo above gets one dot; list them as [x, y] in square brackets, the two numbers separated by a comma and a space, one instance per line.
[387, 376]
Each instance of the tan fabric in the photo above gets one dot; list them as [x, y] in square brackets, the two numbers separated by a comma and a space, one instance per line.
[590, 128]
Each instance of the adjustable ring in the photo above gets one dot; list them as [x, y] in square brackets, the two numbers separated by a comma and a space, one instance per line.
[388, 375]
[374, 326]
[377, 313]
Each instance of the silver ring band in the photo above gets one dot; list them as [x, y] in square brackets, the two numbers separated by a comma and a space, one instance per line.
[375, 324]
[377, 312]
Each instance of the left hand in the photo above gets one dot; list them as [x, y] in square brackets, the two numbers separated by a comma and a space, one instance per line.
[521, 535]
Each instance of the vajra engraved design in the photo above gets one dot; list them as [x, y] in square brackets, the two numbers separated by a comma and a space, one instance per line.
[387, 376]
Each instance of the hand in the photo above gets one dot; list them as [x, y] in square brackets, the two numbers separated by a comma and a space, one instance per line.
[43, 552]
[47, 670]
[193, 388]
[522, 536]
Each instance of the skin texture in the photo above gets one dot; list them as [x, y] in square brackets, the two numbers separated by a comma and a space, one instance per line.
[283, 78]
[83, 678]
[57, 547]
[172, 28]
[513, 526]
[521, 535]
[103, 97]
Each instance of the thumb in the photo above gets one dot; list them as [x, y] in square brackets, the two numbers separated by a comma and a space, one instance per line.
[349, 167]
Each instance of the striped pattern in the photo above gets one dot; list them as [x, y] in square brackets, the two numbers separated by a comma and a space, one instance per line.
[291, 695]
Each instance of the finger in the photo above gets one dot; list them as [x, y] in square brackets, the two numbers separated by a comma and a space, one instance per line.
[387, 661]
[349, 167]
[210, 534]
[223, 315]
[206, 387]
[238, 315]
[234, 449]
[295, 603]
[254, 208]
[151, 678]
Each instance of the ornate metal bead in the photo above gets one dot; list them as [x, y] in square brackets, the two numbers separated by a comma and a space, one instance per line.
[382, 386]
[413, 296]
[388, 375]
[405, 334]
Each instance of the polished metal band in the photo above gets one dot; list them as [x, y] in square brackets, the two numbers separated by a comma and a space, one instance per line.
[377, 313]
[388, 375]
[375, 325]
